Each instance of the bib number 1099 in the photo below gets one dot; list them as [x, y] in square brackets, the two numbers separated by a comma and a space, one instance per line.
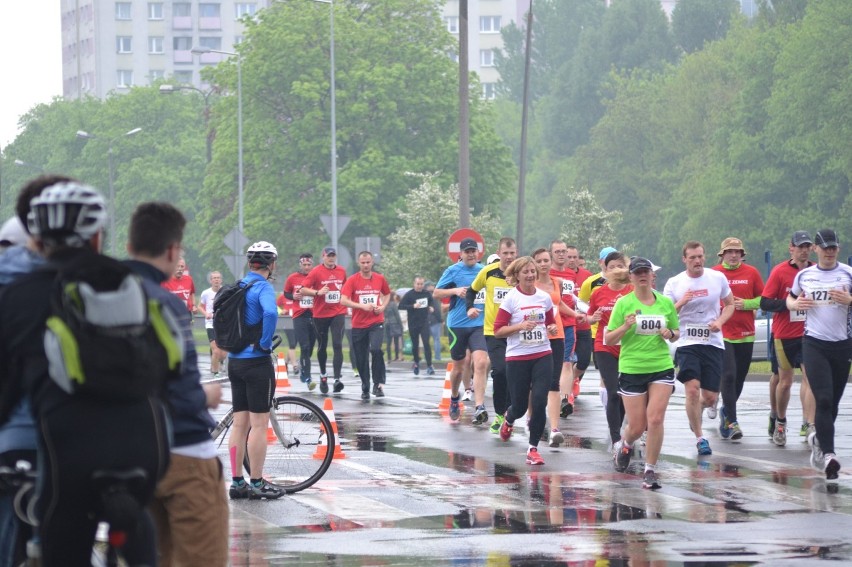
[699, 333]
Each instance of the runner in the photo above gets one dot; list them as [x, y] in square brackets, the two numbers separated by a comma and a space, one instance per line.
[738, 331]
[698, 295]
[606, 355]
[465, 330]
[584, 293]
[367, 293]
[303, 317]
[822, 291]
[324, 283]
[181, 285]
[493, 282]
[787, 330]
[418, 303]
[643, 321]
[205, 305]
[526, 320]
[285, 309]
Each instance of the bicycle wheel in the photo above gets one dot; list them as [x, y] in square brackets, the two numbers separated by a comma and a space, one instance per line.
[305, 446]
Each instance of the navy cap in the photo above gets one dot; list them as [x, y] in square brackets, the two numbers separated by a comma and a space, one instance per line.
[329, 251]
[826, 238]
[468, 243]
[639, 263]
[801, 237]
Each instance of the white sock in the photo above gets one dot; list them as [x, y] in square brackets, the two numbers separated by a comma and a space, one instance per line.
[650, 467]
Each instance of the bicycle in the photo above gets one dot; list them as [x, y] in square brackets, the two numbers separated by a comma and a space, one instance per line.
[297, 460]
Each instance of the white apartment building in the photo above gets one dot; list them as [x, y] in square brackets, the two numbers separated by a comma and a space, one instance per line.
[110, 45]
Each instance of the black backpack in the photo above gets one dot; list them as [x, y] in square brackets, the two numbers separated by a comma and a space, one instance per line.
[229, 319]
[105, 337]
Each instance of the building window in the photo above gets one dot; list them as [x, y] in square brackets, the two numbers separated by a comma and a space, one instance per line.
[208, 10]
[155, 44]
[124, 78]
[124, 44]
[238, 39]
[489, 90]
[182, 9]
[182, 43]
[489, 24]
[155, 10]
[156, 75]
[183, 77]
[122, 11]
[452, 23]
[244, 9]
[486, 57]
[210, 43]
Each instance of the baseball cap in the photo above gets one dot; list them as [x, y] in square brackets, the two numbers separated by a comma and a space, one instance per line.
[801, 237]
[468, 243]
[493, 258]
[606, 252]
[12, 233]
[826, 238]
[731, 243]
[639, 263]
[329, 251]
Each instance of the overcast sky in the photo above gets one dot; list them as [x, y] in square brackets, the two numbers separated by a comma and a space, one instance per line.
[30, 60]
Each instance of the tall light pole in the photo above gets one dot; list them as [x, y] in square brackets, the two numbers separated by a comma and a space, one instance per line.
[85, 135]
[201, 51]
[169, 89]
[22, 163]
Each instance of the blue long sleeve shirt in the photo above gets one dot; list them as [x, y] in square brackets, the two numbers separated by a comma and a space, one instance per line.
[260, 306]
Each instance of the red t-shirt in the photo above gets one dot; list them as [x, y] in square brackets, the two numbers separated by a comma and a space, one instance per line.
[778, 287]
[571, 282]
[184, 288]
[285, 305]
[366, 291]
[292, 285]
[746, 283]
[327, 305]
[604, 298]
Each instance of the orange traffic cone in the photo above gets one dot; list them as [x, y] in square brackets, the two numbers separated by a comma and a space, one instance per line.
[322, 448]
[444, 405]
[282, 379]
[270, 435]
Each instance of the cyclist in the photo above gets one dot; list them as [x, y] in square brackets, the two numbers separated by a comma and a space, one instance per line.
[78, 435]
[252, 377]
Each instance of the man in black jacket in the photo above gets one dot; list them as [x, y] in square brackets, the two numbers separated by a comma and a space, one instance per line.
[418, 303]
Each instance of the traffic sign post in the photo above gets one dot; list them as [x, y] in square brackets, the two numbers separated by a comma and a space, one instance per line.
[236, 242]
[454, 243]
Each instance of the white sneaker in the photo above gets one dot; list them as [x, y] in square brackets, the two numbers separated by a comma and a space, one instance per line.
[817, 456]
[711, 411]
[468, 395]
[556, 438]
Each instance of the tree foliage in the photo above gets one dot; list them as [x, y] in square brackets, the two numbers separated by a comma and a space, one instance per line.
[696, 22]
[588, 226]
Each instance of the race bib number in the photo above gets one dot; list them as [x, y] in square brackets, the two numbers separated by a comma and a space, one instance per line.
[537, 336]
[421, 303]
[372, 300]
[798, 316]
[306, 302]
[820, 296]
[650, 324]
[500, 294]
[567, 287]
[480, 298]
[697, 333]
[332, 297]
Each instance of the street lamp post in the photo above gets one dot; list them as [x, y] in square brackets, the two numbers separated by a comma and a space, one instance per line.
[200, 51]
[86, 136]
[22, 163]
[169, 89]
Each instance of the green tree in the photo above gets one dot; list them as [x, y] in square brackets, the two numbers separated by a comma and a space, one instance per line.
[396, 90]
[696, 22]
[418, 246]
[588, 226]
[776, 12]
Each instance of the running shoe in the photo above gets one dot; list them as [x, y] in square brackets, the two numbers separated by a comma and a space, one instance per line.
[556, 438]
[430, 371]
[704, 447]
[651, 481]
[264, 490]
[576, 391]
[724, 426]
[338, 385]
[711, 410]
[238, 491]
[496, 424]
[311, 385]
[296, 370]
[323, 384]
[505, 430]
[736, 431]
[378, 391]
[365, 395]
[480, 415]
[468, 395]
[811, 429]
[216, 376]
[832, 466]
[817, 456]
[567, 408]
[455, 411]
[621, 456]
[644, 439]
[779, 436]
[772, 421]
[803, 431]
[533, 458]
[416, 369]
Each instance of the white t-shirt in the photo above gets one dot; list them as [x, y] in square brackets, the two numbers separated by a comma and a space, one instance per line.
[523, 307]
[206, 299]
[705, 306]
[827, 320]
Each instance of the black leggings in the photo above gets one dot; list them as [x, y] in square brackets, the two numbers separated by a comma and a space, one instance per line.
[424, 334]
[497, 356]
[828, 370]
[335, 325]
[79, 438]
[525, 377]
[367, 347]
[608, 367]
[306, 336]
[734, 371]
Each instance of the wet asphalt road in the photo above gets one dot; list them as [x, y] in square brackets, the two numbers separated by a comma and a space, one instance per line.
[417, 489]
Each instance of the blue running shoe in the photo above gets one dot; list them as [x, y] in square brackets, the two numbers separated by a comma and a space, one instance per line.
[724, 426]
[704, 447]
[455, 411]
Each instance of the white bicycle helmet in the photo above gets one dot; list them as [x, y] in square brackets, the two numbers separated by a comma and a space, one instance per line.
[261, 253]
[68, 211]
